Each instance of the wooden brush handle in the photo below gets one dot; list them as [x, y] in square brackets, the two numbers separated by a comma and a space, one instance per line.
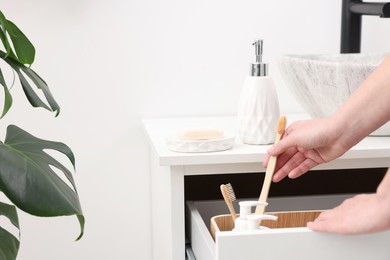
[268, 174]
[232, 210]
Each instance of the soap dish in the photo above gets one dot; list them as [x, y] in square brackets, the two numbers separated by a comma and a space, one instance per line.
[174, 143]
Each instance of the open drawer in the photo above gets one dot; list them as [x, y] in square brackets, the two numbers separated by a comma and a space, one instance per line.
[279, 243]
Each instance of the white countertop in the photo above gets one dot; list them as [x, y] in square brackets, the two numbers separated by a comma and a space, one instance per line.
[375, 149]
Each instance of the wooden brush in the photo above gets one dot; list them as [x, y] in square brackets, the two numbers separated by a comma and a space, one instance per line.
[229, 196]
[271, 167]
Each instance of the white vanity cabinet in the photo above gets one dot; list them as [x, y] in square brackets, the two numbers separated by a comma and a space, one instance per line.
[168, 170]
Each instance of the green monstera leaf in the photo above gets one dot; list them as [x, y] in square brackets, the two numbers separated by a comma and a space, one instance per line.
[17, 45]
[28, 178]
[23, 73]
[7, 95]
[9, 245]
[18, 53]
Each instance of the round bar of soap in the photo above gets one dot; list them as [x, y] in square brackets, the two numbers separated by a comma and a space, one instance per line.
[200, 133]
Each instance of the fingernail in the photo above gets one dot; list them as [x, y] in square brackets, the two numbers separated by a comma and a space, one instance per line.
[271, 150]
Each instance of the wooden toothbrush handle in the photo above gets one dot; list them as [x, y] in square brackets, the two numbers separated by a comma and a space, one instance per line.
[267, 180]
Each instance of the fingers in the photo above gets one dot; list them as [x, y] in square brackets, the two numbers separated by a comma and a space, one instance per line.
[287, 162]
[357, 215]
[293, 170]
[266, 159]
[285, 157]
[293, 159]
[286, 142]
[281, 147]
[302, 168]
[327, 221]
[293, 164]
[282, 164]
[318, 226]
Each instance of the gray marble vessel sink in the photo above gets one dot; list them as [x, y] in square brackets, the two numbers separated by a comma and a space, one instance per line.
[321, 83]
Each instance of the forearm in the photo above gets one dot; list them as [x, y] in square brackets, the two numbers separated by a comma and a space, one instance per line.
[367, 108]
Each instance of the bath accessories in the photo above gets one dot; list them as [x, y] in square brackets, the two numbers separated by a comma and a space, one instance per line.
[229, 196]
[258, 107]
[200, 139]
[248, 221]
[201, 133]
[270, 168]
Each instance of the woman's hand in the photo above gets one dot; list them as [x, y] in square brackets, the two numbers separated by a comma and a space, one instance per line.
[304, 145]
[366, 213]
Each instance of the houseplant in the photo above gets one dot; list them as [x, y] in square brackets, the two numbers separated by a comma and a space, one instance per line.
[27, 172]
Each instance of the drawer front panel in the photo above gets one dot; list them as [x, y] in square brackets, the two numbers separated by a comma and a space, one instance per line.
[302, 244]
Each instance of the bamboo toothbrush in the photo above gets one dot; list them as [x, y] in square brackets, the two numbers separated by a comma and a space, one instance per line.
[271, 167]
[229, 196]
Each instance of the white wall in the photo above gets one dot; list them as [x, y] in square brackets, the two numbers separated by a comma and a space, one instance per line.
[110, 63]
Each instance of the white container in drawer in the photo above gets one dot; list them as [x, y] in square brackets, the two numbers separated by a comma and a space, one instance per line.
[282, 243]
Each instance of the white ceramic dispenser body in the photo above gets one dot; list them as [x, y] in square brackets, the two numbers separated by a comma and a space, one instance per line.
[245, 221]
[258, 107]
[258, 111]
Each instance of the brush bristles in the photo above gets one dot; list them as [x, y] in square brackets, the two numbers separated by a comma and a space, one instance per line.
[282, 124]
[230, 192]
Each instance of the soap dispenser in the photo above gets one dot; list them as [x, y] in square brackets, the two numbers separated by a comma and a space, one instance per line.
[247, 220]
[258, 107]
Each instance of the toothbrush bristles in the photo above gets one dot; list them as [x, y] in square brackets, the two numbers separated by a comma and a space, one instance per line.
[230, 192]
